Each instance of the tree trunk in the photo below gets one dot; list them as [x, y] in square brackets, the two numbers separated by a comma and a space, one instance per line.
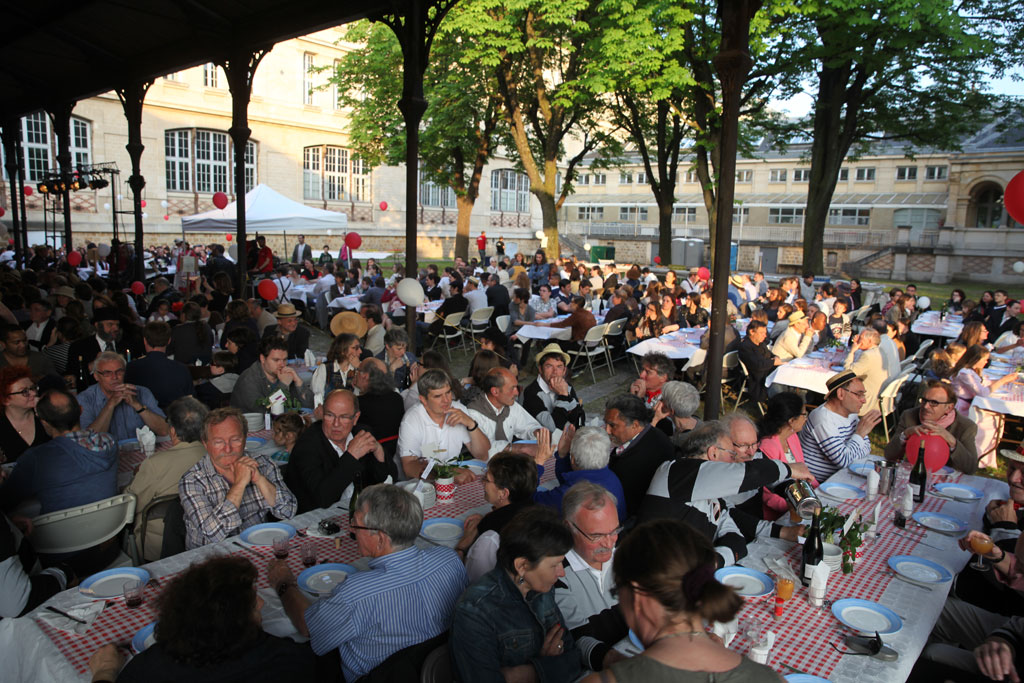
[549, 216]
[465, 206]
[665, 230]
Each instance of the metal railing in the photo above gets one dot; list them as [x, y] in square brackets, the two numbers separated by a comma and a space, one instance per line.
[769, 234]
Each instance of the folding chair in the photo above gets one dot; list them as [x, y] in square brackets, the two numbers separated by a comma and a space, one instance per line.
[591, 345]
[479, 320]
[889, 397]
[450, 329]
[82, 527]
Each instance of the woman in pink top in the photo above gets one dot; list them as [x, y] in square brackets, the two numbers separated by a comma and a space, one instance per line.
[782, 421]
[969, 382]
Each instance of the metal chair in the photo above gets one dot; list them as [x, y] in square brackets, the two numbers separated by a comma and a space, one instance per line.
[591, 345]
[615, 331]
[450, 329]
[437, 667]
[729, 362]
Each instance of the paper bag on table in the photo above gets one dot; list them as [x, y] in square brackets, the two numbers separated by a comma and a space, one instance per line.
[819, 581]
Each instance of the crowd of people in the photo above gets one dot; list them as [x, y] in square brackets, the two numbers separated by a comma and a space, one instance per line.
[648, 499]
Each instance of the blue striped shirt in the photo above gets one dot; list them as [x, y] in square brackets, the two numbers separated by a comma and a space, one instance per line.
[829, 442]
[405, 598]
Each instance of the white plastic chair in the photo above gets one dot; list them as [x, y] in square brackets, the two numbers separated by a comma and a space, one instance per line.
[502, 322]
[889, 397]
[78, 528]
[592, 345]
[479, 320]
[450, 329]
[729, 361]
[695, 360]
[613, 331]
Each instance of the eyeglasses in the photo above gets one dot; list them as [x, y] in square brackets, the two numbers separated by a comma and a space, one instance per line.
[110, 373]
[25, 392]
[597, 538]
[331, 417]
[932, 403]
[745, 446]
[727, 450]
[858, 394]
[357, 527]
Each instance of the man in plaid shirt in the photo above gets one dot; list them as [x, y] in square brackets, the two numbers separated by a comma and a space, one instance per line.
[227, 491]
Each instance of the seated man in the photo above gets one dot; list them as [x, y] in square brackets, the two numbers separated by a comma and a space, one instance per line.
[502, 420]
[437, 430]
[160, 473]
[938, 415]
[656, 370]
[265, 377]
[375, 331]
[360, 619]
[333, 453]
[296, 336]
[639, 449]
[833, 435]
[584, 595]
[227, 492]
[112, 406]
[580, 320]
[693, 488]
[16, 351]
[167, 379]
[77, 466]
[796, 340]
[758, 359]
[550, 398]
[865, 360]
[22, 589]
[583, 456]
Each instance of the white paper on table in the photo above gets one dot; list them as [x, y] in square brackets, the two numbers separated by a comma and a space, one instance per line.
[86, 612]
[147, 439]
[277, 397]
[310, 358]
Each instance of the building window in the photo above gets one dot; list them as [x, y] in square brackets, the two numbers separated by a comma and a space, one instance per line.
[844, 174]
[211, 161]
[865, 174]
[36, 140]
[600, 179]
[432, 194]
[249, 172]
[335, 92]
[849, 216]
[585, 179]
[311, 173]
[906, 173]
[210, 167]
[510, 191]
[210, 75]
[360, 180]
[691, 176]
[307, 78]
[777, 175]
[832, 259]
[335, 173]
[745, 176]
[177, 161]
[688, 214]
[801, 175]
[81, 153]
[625, 178]
[936, 172]
[630, 213]
[786, 216]
[917, 219]
[589, 213]
[741, 215]
[641, 177]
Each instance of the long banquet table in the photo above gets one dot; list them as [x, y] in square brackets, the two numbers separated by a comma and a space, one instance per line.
[37, 652]
[809, 372]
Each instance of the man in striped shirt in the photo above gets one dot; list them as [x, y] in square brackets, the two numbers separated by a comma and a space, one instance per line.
[406, 597]
[834, 435]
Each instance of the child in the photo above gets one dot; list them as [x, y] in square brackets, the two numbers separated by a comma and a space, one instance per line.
[287, 429]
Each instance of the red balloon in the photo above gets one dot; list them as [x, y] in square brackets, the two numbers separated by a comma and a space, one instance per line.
[268, 290]
[228, 237]
[703, 273]
[10, 241]
[936, 451]
[383, 206]
[1013, 197]
[143, 203]
[138, 288]
[657, 260]
[28, 191]
[2, 211]
[177, 306]
[353, 240]
[220, 200]
[74, 258]
[167, 217]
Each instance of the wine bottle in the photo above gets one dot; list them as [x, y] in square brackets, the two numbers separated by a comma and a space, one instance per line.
[919, 476]
[814, 549]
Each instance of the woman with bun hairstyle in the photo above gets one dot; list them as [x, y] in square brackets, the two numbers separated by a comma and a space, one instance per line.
[664, 574]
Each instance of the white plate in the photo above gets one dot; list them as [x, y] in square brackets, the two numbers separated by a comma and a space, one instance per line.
[109, 584]
[839, 491]
[321, 579]
[146, 636]
[747, 582]
[936, 521]
[443, 529]
[862, 467]
[866, 617]
[266, 534]
[962, 491]
[919, 569]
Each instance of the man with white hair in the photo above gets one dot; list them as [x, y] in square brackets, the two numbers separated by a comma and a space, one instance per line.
[677, 407]
[587, 460]
[865, 360]
[117, 408]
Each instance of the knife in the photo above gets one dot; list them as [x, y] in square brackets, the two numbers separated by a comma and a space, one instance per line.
[66, 615]
[912, 582]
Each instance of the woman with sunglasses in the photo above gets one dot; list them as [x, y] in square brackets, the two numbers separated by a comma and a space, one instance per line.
[937, 415]
[784, 417]
[20, 429]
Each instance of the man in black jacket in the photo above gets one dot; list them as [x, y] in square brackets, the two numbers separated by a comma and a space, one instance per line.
[755, 355]
[334, 453]
[288, 327]
[639, 448]
[550, 398]
[497, 296]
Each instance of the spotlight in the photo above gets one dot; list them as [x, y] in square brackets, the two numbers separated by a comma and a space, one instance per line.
[97, 183]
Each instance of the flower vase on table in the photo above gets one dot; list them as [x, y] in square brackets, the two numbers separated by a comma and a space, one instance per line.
[444, 482]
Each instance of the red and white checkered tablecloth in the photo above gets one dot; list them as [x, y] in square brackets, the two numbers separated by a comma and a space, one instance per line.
[118, 624]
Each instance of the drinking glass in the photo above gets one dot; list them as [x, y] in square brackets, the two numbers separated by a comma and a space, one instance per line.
[308, 550]
[981, 545]
[281, 547]
[133, 593]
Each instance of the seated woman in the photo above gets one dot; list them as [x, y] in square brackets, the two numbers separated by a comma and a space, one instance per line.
[509, 485]
[973, 333]
[937, 415]
[695, 315]
[339, 367]
[216, 391]
[649, 326]
[782, 421]
[956, 300]
[543, 305]
[665, 576]
[671, 320]
[507, 625]
[483, 362]
[969, 382]
[20, 429]
[209, 629]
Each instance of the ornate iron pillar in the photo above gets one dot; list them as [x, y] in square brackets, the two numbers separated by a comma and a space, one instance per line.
[240, 69]
[732, 63]
[61, 117]
[20, 188]
[132, 98]
[11, 134]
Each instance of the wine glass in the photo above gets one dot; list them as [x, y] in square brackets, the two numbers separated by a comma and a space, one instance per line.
[981, 545]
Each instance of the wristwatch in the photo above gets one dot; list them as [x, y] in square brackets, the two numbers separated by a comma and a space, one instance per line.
[283, 588]
[141, 410]
[476, 425]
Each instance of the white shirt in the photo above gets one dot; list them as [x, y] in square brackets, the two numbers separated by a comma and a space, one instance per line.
[323, 284]
[502, 275]
[420, 437]
[482, 555]
[476, 299]
[34, 332]
[519, 424]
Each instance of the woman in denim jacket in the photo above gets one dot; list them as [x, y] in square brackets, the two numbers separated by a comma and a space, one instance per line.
[507, 626]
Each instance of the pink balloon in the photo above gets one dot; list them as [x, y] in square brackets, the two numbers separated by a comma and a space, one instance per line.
[383, 206]
[143, 203]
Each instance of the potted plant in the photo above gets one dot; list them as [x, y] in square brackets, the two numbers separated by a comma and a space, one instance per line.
[444, 480]
[851, 544]
[830, 522]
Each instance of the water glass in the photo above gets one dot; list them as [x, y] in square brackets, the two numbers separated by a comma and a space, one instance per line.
[133, 593]
[308, 553]
[281, 547]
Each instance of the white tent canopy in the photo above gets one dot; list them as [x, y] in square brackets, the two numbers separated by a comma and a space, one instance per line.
[266, 211]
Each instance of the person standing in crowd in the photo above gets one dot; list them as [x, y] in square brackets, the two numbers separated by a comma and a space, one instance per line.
[481, 248]
[302, 252]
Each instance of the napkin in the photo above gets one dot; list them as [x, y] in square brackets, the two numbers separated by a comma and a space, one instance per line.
[819, 580]
[760, 652]
[147, 439]
[86, 612]
[873, 480]
[310, 358]
[726, 631]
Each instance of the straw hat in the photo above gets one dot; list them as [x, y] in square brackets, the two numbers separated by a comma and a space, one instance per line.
[551, 349]
[64, 290]
[840, 379]
[286, 311]
[736, 280]
[1011, 455]
[348, 322]
[796, 316]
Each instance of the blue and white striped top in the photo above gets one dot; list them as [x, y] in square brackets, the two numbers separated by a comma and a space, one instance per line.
[829, 442]
[405, 598]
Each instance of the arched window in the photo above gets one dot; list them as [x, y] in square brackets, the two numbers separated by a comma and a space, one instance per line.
[510, 191]
[986, 207]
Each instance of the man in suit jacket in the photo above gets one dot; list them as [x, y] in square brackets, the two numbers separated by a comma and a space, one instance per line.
[755, 355]
[497, 296]
[84, 351]
[334, 453]
[295, 335]
[639, 448]
[168, 379]
[937, 415]
[302, 251]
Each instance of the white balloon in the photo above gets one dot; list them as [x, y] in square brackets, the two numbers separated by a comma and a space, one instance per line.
[103, 249]
[164, 203]
[233, 251]
[106, 206]
[119, 197]
[410, 291]
[586, 246]
[145, 215]
[924, 303]
[539, 234]
[1018, 267]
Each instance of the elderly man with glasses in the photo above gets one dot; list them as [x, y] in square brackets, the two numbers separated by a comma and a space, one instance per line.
[937, 415]
[333, 454]
[405, 598]
[112, 406]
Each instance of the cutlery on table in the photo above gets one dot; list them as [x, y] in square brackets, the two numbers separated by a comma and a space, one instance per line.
[61, 612]
[905, 579]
